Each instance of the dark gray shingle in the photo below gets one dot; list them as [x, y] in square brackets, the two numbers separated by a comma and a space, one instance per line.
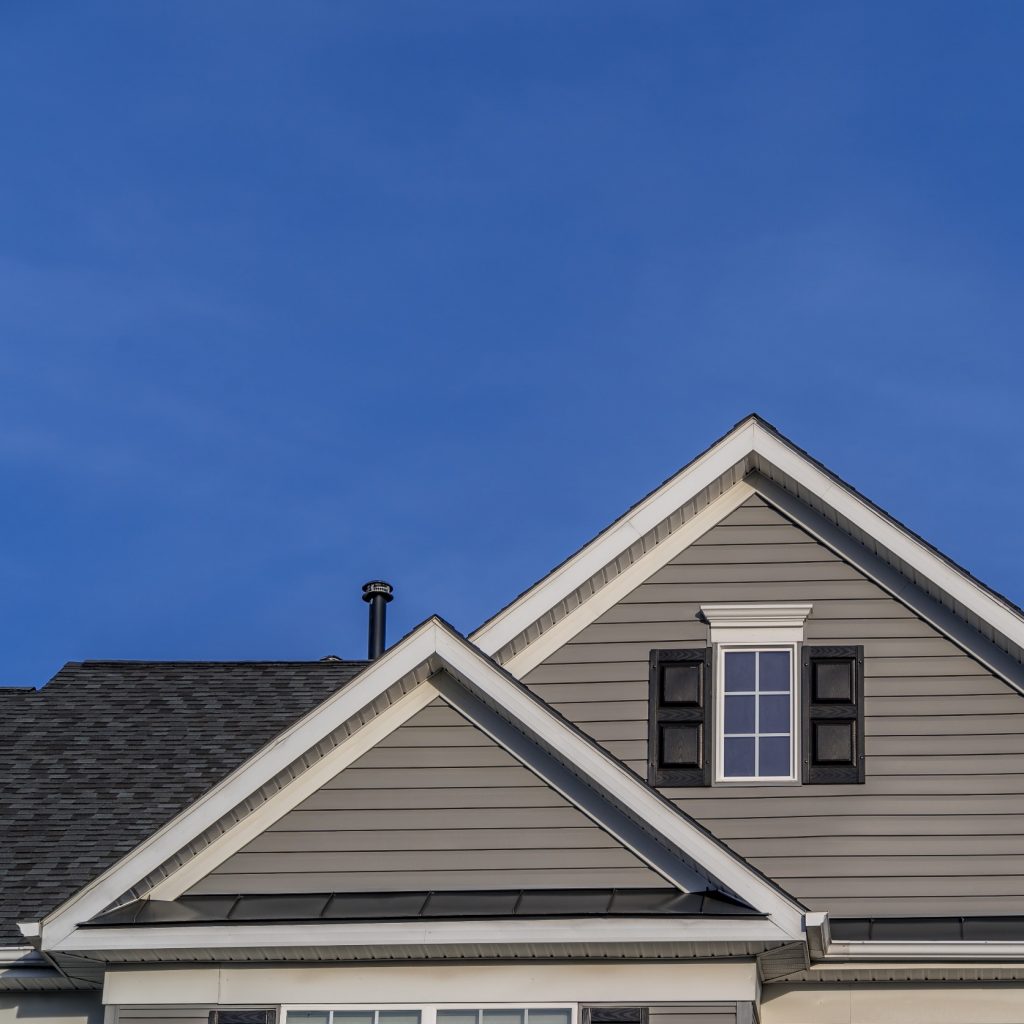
[108, 752]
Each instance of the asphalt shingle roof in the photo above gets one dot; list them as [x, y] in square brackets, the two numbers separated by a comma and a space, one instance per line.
[108, 752]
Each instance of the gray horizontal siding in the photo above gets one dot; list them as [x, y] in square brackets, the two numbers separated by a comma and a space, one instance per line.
[694, 1013]
[163, 1014]
[51, 1007]
[941, 815]
[435, 805]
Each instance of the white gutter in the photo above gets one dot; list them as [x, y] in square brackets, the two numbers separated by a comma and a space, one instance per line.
[826, 950]
[21, 956]
[881, 952]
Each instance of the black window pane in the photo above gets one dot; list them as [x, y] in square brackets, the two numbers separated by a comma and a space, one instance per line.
[681, 745]
[773, 757]
[833, 742]
[773, 670]
[739, 712]
[739, 757]
[833, 682]
[774, 712]
[681, 684]
[739, 670]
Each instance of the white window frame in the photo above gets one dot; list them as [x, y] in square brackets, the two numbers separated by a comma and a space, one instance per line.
[428, 1011]
[719, 684]
[756, 626]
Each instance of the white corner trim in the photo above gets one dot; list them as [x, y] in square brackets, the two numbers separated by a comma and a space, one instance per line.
[639, 572]
[756, 623]
[287, 799]
[29, 929]
[511, 931]
[608, 545]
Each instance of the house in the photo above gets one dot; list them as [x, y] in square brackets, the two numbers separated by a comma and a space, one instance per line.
[754, 753]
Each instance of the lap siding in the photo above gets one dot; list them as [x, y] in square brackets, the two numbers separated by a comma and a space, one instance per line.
[944, 738]
[456, 813]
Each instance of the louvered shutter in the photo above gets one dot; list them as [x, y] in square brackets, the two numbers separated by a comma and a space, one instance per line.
[832, 688]
[679, 737]
[243, 1017]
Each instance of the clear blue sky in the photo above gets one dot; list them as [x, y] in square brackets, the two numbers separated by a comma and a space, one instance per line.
[293, 295]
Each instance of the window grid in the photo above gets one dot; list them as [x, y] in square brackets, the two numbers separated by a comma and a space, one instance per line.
[426, 1014]
[756, 693]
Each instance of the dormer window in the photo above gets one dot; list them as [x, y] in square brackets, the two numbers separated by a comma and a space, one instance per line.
[757, 714]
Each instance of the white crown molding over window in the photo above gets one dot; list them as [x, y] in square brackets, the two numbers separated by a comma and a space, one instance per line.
[756, 623]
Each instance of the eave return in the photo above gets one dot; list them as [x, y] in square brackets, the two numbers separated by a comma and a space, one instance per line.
[410, 906]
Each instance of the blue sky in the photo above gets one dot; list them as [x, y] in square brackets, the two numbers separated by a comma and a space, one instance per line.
[296, 295]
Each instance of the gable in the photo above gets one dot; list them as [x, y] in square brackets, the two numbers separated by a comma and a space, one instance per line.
[941, 814]
[430, 662]
[436, 805]
[754, 455]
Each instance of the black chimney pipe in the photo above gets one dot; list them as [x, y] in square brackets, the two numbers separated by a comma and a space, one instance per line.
[377, 594]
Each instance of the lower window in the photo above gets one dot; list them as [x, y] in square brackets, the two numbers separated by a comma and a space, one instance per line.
[432, 1015]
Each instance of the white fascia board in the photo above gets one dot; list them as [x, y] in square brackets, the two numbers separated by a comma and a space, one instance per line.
[428, 933]
[868, 951]
[639, 572]
[607, 546]
[723, 866]
[404, 657]
[894, 538]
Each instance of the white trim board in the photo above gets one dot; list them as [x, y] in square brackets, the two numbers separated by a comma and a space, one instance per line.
[750, 437]
[616, 983]
[436, 643]
[506, 931]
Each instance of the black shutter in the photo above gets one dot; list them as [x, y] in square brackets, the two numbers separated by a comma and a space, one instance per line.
[832, 688]
[615, 1015]
[679, 738]
[243, 1016]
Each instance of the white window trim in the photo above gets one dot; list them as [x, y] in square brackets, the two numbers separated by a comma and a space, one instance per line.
[756, 626]
[761, 623]
[428, 1011]
[719, 738]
